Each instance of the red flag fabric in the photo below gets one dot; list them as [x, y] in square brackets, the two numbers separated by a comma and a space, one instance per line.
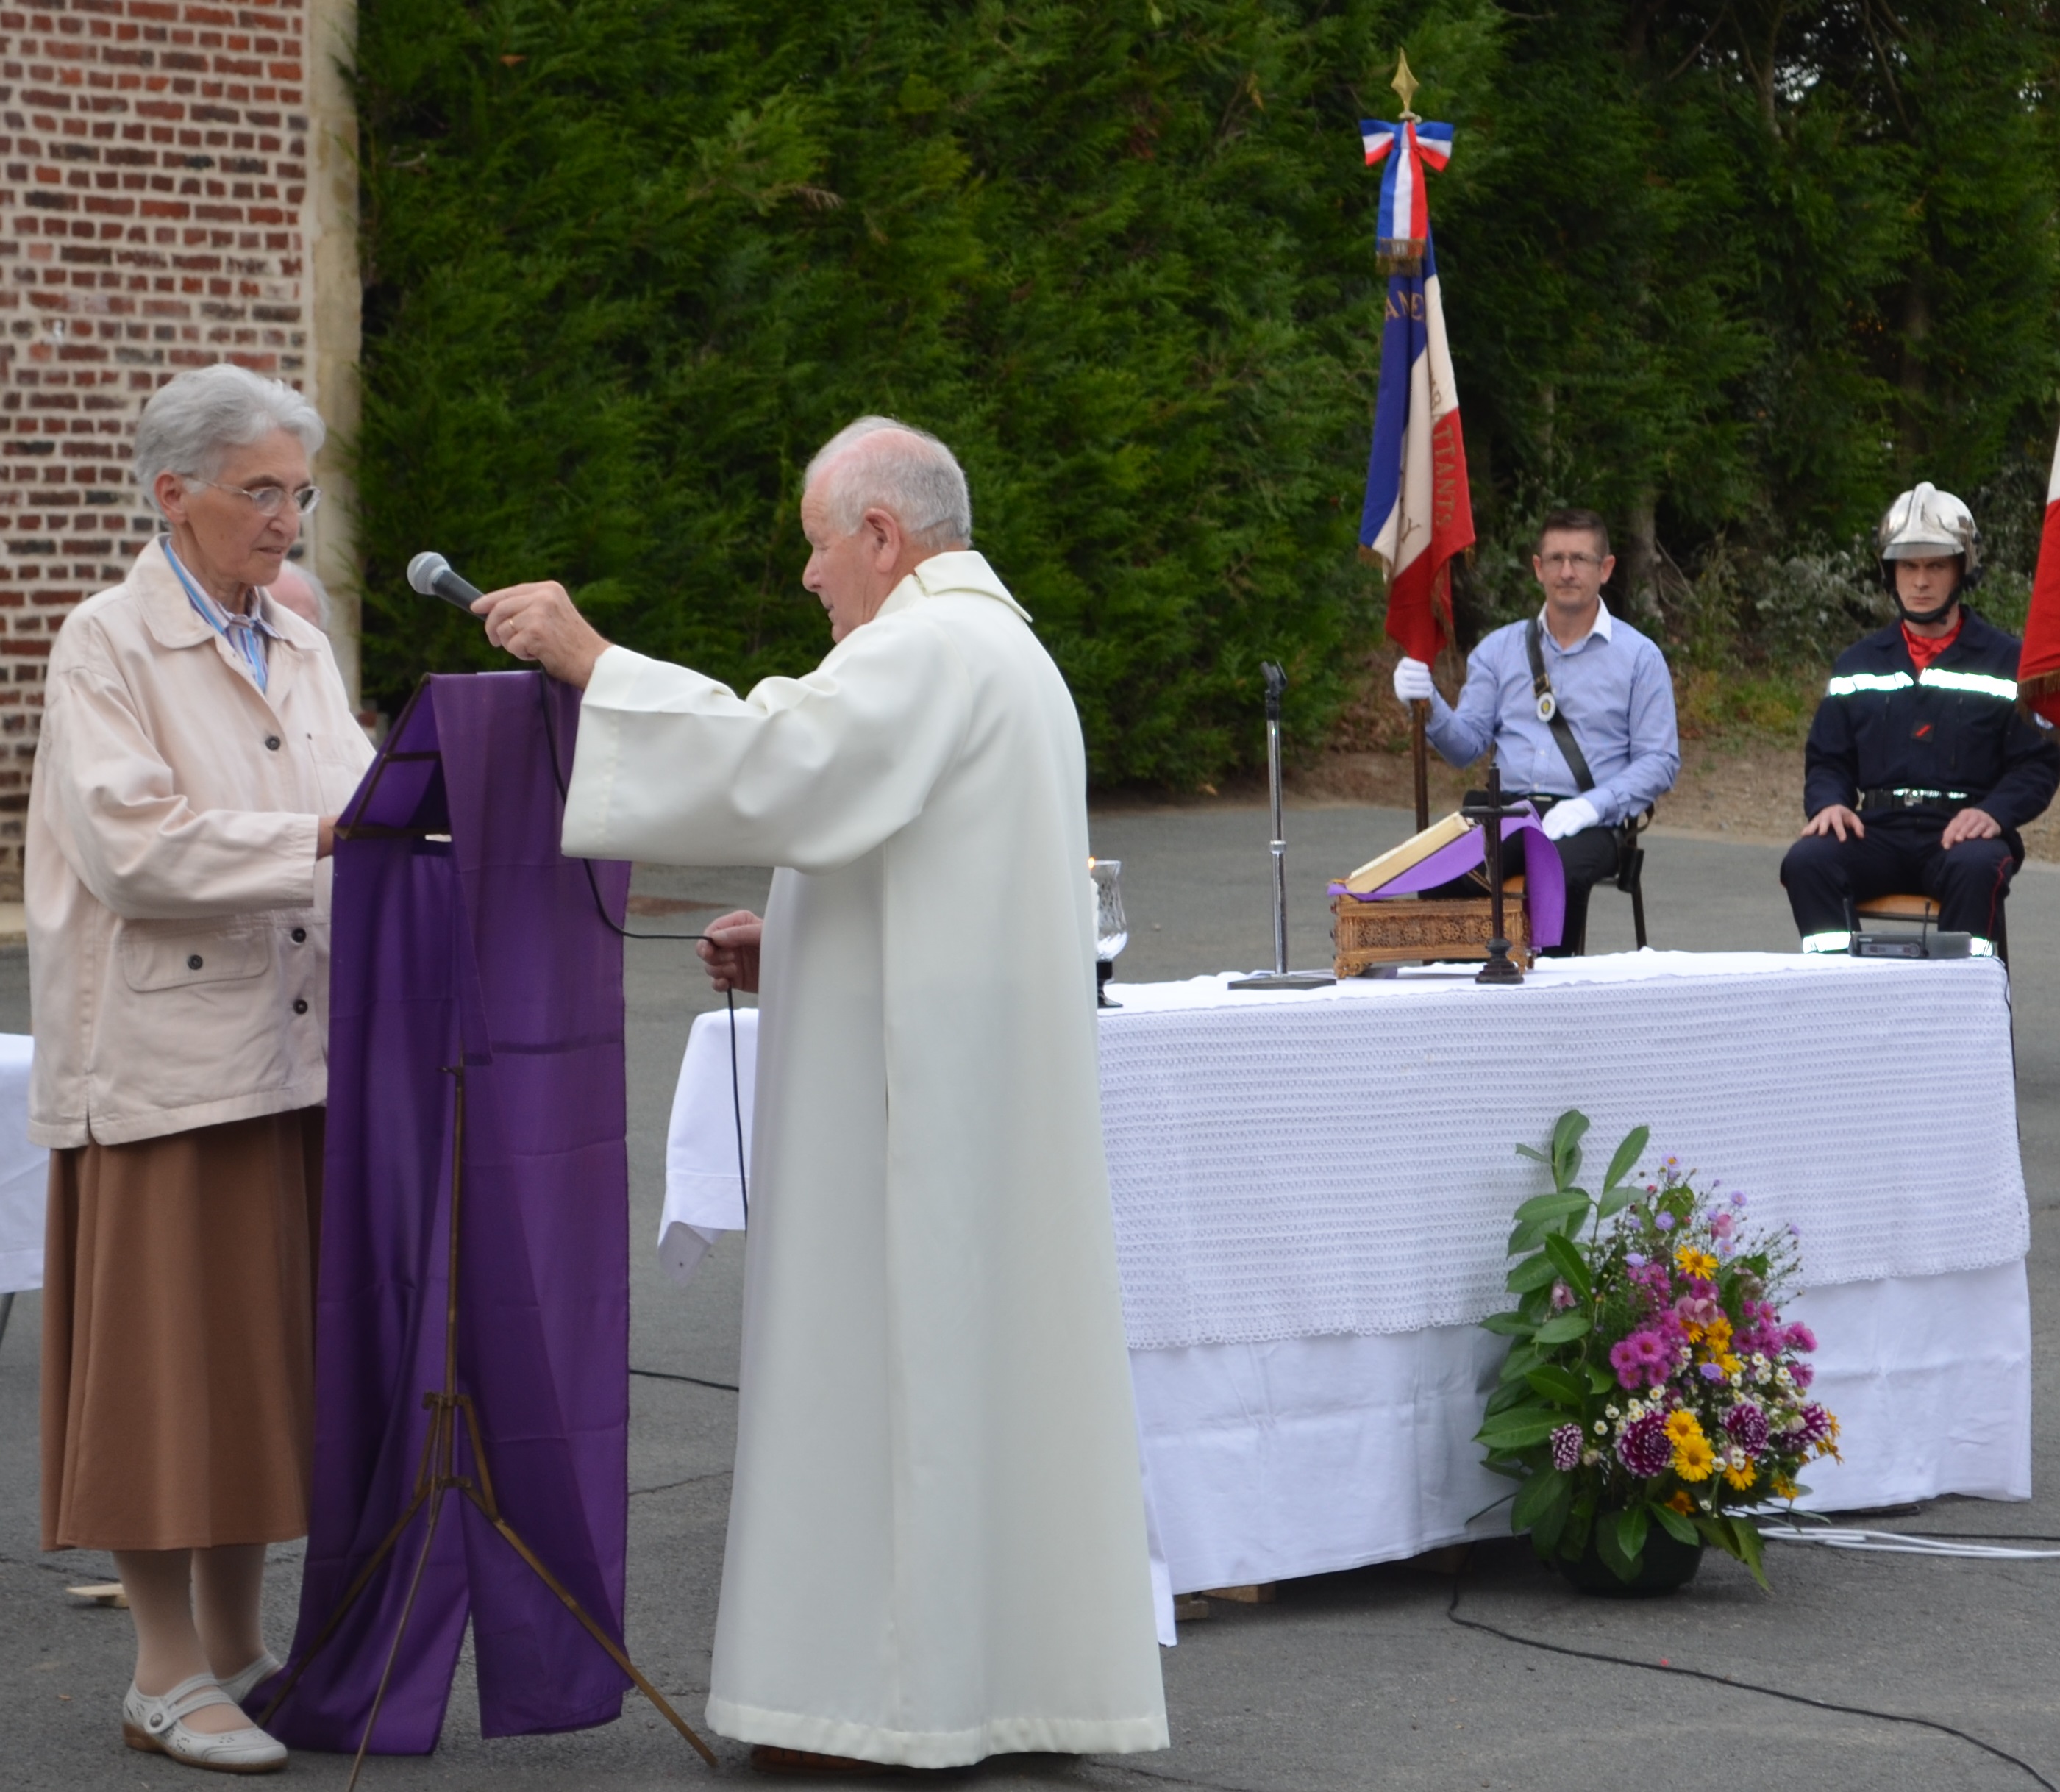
[2038, 662]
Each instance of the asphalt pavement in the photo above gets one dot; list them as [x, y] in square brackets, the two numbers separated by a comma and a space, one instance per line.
[1394, 1676]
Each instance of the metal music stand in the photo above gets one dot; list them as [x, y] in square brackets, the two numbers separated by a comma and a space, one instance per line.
[1499, 968]
[1279, 977]
[438, 1475]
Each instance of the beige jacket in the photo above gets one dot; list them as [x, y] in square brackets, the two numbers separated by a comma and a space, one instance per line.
[179, 919]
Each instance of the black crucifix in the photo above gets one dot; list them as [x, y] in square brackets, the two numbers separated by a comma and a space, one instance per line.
[1489, 815]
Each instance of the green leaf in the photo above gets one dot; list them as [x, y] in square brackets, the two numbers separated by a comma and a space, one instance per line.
[1533, 1272]
[1674, 1524]
[1547, 1524]
[1571, 1265]
[1612, 1203]
[1516, 1392]
[1508, 1325]
[1535, 1156]
[1599, 1379]
[1565, 1329]
[1632, 1523]
[1749, 1549]
[1519, 1429]
[1548, 1488]
[1555, 1206]
[1627, 1155]
[1566, 1146]
[1609, 1545]
[1557, 1385]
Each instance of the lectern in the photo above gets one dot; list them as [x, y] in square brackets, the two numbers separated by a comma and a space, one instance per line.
[472, 1431]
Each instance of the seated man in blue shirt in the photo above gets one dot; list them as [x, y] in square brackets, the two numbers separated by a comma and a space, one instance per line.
[1578, 705]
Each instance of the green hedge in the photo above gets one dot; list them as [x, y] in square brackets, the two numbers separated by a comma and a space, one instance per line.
[629, 263]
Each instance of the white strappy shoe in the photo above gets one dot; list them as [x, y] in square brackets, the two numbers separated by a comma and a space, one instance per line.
[240, 1686]
[156, 1725]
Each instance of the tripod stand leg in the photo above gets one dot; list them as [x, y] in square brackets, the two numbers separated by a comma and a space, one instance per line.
[400, 1631]
[424, 1485]
[592, 1630]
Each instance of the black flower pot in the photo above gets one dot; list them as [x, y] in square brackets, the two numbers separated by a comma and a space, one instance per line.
[1666, 1563]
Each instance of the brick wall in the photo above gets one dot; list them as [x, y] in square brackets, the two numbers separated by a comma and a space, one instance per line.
[154, 162]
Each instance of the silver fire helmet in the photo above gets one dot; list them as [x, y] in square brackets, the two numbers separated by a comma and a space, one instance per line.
[1925, 524]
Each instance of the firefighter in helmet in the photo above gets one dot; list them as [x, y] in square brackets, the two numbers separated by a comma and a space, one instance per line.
[1920, 769]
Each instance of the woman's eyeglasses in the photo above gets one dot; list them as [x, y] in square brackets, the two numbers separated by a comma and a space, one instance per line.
[270, 499]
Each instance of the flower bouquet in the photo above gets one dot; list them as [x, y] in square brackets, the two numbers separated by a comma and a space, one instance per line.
[1650, 1380]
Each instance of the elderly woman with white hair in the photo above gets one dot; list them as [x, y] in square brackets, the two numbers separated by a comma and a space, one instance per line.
[196, 746]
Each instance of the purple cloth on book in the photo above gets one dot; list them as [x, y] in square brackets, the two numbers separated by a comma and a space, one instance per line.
[490, 947]
[1544, 878]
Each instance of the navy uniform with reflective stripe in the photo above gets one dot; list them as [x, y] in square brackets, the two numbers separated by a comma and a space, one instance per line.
[1955, 729]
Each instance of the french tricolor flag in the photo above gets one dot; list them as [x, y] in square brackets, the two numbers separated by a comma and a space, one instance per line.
[2038, 662]
[1417, 513]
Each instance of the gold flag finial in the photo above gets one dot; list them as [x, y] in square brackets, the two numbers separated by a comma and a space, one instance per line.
[1405, 84]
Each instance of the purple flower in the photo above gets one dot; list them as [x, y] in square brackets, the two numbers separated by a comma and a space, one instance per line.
[1799, 1337]
[1640, 1358]
[1645, 1448]
[1563, 1297]
[1801, 1373]
[1721, 1226]
[1567, 1447]
[1738, 1197]
[1633, 1260]
[1747, 1426]
[1664, 1221]
[1712, 1371]
[1811, 1429]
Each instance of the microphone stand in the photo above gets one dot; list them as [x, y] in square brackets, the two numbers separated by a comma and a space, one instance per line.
[1279, 977]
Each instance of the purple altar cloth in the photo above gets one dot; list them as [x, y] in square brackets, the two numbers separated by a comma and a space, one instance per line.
[487, 947]
[1544, 878]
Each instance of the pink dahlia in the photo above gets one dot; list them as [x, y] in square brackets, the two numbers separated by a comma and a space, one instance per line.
[1746, 1423]
[1645, 1448]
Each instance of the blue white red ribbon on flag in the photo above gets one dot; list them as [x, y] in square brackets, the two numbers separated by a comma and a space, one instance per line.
[1418, 514]
[2039, 660]
[1404, 227]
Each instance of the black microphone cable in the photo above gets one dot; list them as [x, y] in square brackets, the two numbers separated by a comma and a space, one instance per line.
[600, 908]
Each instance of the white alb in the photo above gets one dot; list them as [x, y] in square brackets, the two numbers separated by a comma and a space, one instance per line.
[937, 1545]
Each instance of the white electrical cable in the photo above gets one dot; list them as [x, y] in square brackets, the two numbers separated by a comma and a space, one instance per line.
[1897, 1542]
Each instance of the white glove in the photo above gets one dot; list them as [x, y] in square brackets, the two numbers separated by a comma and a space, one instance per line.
[1569, 816]
[1412, 679]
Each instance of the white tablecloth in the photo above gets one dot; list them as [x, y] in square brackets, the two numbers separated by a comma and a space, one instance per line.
[24, 1170]
[1312, 1191]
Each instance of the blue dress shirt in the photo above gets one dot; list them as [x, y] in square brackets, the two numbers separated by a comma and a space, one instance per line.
[1613, 687]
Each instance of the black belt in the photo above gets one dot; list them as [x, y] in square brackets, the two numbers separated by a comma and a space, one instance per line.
[1882, 798]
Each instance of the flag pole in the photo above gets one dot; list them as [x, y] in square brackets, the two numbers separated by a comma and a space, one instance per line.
[1419, 713]
[1405, 85]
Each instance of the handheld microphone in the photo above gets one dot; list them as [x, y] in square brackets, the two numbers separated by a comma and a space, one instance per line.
[431, 574]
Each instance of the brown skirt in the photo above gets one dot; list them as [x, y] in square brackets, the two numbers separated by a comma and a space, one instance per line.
[178, 1337]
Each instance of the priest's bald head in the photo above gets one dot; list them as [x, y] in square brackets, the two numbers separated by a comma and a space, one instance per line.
[878, 500]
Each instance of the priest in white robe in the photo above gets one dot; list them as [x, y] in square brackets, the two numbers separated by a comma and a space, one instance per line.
[937, 1545]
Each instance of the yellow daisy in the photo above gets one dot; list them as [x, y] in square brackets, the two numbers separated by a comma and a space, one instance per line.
[1691, 1262]
[1693, 1460]
[1718, 1335]
[1682, 1425]
[1741, 1478]
[1681, 1503]
[1783, 1487]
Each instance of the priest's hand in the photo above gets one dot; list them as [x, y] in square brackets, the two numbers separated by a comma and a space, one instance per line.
[539, 622]
[730, 950]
